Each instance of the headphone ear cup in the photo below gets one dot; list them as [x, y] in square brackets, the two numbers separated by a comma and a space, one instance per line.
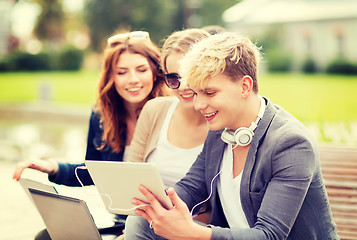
[243, 136]
[227, 136]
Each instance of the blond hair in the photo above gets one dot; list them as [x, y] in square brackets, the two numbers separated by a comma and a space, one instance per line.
[225, 53]
[180, 42]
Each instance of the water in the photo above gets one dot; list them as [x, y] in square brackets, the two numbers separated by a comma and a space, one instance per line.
[43, 131]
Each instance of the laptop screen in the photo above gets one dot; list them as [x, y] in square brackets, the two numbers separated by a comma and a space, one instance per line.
[65, 217]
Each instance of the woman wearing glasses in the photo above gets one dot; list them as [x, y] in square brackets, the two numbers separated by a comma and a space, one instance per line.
[131, 76]
[165, 123]
[170, 132]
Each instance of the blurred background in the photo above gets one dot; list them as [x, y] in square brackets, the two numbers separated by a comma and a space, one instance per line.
[50, 61]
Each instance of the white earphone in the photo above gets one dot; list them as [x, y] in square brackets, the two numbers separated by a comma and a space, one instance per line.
[243, 135]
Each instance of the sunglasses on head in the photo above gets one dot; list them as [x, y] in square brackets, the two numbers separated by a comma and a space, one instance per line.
[172, 80]
[133, 35]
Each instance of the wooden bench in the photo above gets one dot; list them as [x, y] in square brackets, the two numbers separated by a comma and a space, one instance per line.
[339, 169]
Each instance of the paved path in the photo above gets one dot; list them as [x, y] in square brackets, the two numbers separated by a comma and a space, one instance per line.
[19, 218]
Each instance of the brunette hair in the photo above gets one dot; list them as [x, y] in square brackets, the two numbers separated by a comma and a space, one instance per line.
[110, 105]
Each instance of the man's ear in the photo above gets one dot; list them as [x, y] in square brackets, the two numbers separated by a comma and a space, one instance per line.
[247, 85]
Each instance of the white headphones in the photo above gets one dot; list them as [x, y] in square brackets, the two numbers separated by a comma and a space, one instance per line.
[243, 135]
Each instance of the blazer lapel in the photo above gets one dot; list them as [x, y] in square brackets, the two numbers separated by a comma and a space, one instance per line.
[251, 160]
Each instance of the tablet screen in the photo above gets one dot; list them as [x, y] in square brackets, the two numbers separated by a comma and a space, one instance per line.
[118, 183]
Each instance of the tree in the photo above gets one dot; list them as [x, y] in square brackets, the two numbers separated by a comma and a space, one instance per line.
[49, 26]
[104, 17]
[211, 11]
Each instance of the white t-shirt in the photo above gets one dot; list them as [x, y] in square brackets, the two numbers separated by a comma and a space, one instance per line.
[172, 162]
[126, 153]
[229, 192]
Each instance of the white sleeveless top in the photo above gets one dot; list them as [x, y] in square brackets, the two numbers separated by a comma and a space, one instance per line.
[229, 192]
[172, 162]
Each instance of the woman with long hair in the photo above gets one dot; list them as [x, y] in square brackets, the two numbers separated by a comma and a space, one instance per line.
[131, 75]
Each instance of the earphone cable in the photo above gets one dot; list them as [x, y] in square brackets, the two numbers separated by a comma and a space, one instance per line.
[106, 195]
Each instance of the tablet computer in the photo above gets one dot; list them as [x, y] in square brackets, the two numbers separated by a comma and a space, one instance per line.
[118, 183]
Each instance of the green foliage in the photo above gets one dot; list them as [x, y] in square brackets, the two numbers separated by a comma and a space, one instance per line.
[278, 60]
[341, 66]
[22, 61]
[50, 23]
[70, 59]
[159, 17]
[66, 59]
[211, 11]
[309, 66]
[107, 16]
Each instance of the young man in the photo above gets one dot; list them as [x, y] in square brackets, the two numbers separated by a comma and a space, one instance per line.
[259, 166]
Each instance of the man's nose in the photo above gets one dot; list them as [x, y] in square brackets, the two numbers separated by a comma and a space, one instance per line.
[199, 103]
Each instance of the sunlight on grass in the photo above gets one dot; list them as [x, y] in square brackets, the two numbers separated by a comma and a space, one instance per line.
[311, 98]
[65, 87]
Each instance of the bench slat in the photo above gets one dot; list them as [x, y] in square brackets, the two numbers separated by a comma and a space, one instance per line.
[339, 169]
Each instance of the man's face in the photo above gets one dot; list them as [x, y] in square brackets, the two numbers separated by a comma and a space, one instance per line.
[220, 102]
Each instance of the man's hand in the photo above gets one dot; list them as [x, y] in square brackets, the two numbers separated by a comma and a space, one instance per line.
[175, 223]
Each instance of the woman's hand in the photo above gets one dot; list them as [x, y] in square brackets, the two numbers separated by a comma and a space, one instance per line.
[175, 223]
[47, 166]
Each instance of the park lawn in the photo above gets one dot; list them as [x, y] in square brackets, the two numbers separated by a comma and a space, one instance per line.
[65, 87]
[311, 98]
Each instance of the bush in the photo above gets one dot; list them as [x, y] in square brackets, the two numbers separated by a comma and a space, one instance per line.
[278, 61]
[341, 66]
[22, 61]
[309, 66]
[4, 65]
[70, 59]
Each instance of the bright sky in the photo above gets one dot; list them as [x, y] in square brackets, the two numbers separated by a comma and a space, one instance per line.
[23, 17]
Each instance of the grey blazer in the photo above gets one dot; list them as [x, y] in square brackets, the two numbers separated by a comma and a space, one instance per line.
[282, 190]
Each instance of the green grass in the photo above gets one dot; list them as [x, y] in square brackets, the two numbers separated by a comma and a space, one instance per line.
[311, 98]
[65, 87]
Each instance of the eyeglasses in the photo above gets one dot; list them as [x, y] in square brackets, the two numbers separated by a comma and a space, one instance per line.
[134, 35]
[172, 80]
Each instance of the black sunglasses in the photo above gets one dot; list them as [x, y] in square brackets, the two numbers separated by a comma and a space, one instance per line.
[172, 80]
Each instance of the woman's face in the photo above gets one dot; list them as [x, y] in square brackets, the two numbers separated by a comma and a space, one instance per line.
[184, 93]
[133, 78]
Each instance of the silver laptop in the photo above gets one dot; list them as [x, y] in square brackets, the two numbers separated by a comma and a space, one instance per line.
[66, 217]
[28, 183]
